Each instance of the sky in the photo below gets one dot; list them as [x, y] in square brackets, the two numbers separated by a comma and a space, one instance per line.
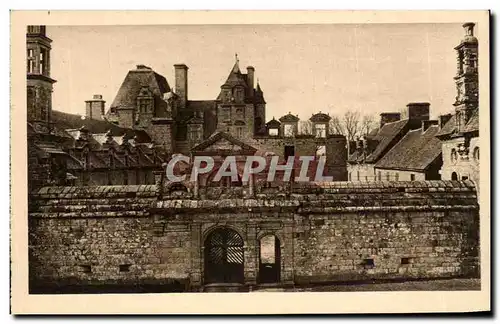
[303, 69]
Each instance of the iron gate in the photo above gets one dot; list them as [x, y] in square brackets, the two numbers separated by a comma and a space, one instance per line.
[224, 257]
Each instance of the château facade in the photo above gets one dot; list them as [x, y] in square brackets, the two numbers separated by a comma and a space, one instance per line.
[149, 121]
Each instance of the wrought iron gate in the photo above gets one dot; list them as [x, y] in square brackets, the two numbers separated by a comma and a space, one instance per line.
[224, 257]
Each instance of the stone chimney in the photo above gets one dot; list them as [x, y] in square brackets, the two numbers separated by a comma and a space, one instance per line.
[443, 119]
[418, 111]
[389, 117]
[250, 80]
[181, 84]
[428, 123]
[94, 108]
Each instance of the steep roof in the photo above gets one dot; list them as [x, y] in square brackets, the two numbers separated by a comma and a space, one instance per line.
[473, 124]
[415, 151]
[235, 77]
[451, 126]
[386, 136]
[143, 76]
[65, 121]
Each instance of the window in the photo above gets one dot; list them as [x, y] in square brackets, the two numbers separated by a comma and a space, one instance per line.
[289, 151]
[397, 176]
[289, 130]
[412, 177]
[42, 61]
[405, 260]
[225, 114]
[350, 176]
[388, 176]
[368, 263]
[454, 155]
[454, 176]
[125, 267]
[465, 178]
[380, 175]
[239, 131]
[476, 153]
[273, 132]
[357, 173]
[320, 130]
[239, 94]
[85, 268]
[31, 61]
[194, 134]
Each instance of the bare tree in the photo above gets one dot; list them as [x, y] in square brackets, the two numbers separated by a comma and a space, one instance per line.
[351, 121]
[367, 124]
[404, 112]
[336, 126]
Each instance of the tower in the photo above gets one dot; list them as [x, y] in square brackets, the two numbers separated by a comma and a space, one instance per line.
[39, 82]
[466, 79]
[235, 106]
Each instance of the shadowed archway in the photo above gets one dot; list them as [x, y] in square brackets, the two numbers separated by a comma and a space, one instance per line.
[224, 257]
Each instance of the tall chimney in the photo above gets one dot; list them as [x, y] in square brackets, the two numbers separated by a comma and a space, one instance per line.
[418, 111]
[94, 108]
[250, 80]
[443, 119]
[181, 84]
[389, 118]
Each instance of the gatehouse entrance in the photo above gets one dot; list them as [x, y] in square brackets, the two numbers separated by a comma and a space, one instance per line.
[224, 257]
[269, 259]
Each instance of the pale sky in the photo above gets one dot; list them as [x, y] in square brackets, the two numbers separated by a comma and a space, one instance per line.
[301, 68]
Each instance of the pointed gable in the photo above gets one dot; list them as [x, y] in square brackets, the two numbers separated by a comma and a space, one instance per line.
[235, 77]
[222, 143]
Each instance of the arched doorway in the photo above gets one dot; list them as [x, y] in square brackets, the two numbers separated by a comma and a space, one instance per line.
[224, 257]
[269, 259]
[454, 176]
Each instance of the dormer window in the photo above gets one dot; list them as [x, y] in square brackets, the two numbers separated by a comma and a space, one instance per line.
[239, 94]
[320, 130]
[289, 130]
[273, 132]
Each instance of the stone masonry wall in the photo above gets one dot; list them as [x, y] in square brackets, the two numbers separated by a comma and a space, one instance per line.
[138, 235]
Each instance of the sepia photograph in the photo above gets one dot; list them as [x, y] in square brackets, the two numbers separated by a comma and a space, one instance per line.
[192, 159]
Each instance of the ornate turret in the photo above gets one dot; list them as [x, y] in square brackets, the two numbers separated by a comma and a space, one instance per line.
[466, 79]
[39, 82]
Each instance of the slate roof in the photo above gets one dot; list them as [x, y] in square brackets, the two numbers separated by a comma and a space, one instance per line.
[415, 151]
[473, 124]
[235, 77]
[65, 121]
[136, 79]
[386, 136]
[451, 126]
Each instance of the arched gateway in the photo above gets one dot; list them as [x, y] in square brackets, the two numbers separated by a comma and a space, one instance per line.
[224, 257]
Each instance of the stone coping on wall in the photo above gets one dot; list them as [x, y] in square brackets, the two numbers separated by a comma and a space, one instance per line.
[143, 201]
[298, 187]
